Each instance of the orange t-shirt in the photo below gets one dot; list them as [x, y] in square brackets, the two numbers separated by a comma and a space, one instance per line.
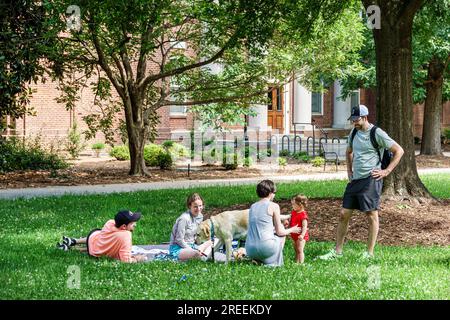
[111, 242]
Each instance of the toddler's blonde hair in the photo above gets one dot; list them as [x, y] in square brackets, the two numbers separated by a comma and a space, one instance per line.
[300, 200]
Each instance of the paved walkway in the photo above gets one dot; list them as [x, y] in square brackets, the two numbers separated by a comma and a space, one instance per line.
[179, 184]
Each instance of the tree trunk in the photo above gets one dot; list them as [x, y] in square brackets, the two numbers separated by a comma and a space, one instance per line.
[394, 101]
[136, 139]
[431, 134]
[136, 145]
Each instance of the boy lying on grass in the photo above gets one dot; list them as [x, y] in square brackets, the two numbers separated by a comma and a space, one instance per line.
[114, 240]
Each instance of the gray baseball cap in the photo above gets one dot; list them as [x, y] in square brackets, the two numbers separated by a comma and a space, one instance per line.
[359, 111]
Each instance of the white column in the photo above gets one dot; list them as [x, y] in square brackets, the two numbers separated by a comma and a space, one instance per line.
[287, 108]
[260, 120]
[342, 108]
[302, 106]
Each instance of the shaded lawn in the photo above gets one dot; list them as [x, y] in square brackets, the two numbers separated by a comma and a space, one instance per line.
[32, 269]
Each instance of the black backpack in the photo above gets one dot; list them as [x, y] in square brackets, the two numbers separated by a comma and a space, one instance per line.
[387, 154]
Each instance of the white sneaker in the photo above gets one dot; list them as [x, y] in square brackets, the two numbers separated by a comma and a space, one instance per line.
[331, 255]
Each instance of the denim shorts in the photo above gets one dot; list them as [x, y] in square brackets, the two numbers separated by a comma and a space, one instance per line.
[174, 249]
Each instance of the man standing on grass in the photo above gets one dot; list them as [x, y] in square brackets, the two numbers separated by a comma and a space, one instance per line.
[365, 176]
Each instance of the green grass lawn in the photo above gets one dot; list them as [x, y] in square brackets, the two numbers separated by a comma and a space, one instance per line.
[31, 268]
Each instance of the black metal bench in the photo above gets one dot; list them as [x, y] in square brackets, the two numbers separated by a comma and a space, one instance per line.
[333, 152]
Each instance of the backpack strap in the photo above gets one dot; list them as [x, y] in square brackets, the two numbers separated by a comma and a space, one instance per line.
[353, 136]
[374, 142]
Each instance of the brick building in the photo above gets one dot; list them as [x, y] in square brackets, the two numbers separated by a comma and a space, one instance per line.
[292, 109]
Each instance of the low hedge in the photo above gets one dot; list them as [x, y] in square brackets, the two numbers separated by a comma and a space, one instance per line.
[15, 156]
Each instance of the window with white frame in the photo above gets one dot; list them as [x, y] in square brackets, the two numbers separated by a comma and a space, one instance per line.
[354, 99]
[176, 44]
[316, 102]
[176, 110]
[180, 45]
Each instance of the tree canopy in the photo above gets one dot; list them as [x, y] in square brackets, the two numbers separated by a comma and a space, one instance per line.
[23, 39]
[430, 40]
[164, 53]
[157, 53]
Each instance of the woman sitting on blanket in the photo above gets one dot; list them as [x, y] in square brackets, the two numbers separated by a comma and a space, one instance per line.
[182, 239]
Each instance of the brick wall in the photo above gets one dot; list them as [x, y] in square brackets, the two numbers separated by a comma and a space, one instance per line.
[326, 119]
[367, 97]
[53, 121]
[418, 118]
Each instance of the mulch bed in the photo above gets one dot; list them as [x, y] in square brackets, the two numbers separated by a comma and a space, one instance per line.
[91, 172]
[401, 224]
[432, 161]
[110, 172]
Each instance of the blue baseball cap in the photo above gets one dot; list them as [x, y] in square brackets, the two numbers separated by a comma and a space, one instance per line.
[359, 111]
[126, 216]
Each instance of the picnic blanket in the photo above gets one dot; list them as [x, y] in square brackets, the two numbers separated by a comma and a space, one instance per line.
[160, 252]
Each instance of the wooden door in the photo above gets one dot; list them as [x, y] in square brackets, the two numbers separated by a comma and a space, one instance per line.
[275, 109]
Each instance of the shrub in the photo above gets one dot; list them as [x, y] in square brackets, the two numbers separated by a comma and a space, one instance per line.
[154, 155]
[151, 153]
[157, 156]
[165, 160]
[230, 160]
[284, 153]
[181, 150]
[282, 161]
[250, 150]
[168, 144]
[74, 144]
[17, 156]
[318, 161]
[233, 165]
[305, 158]
[208, 156]
[98, 146]
[262, 154]
[446, 135]
[301, 156]
[175, 149]
[121, 153]
[248, 162]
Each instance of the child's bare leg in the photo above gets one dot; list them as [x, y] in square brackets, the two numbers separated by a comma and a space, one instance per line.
[296, 250]
[300, 247]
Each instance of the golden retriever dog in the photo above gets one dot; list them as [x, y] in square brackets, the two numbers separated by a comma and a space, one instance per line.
[228, 225]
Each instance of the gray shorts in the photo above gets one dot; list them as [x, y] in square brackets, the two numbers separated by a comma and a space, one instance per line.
[363, 194]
